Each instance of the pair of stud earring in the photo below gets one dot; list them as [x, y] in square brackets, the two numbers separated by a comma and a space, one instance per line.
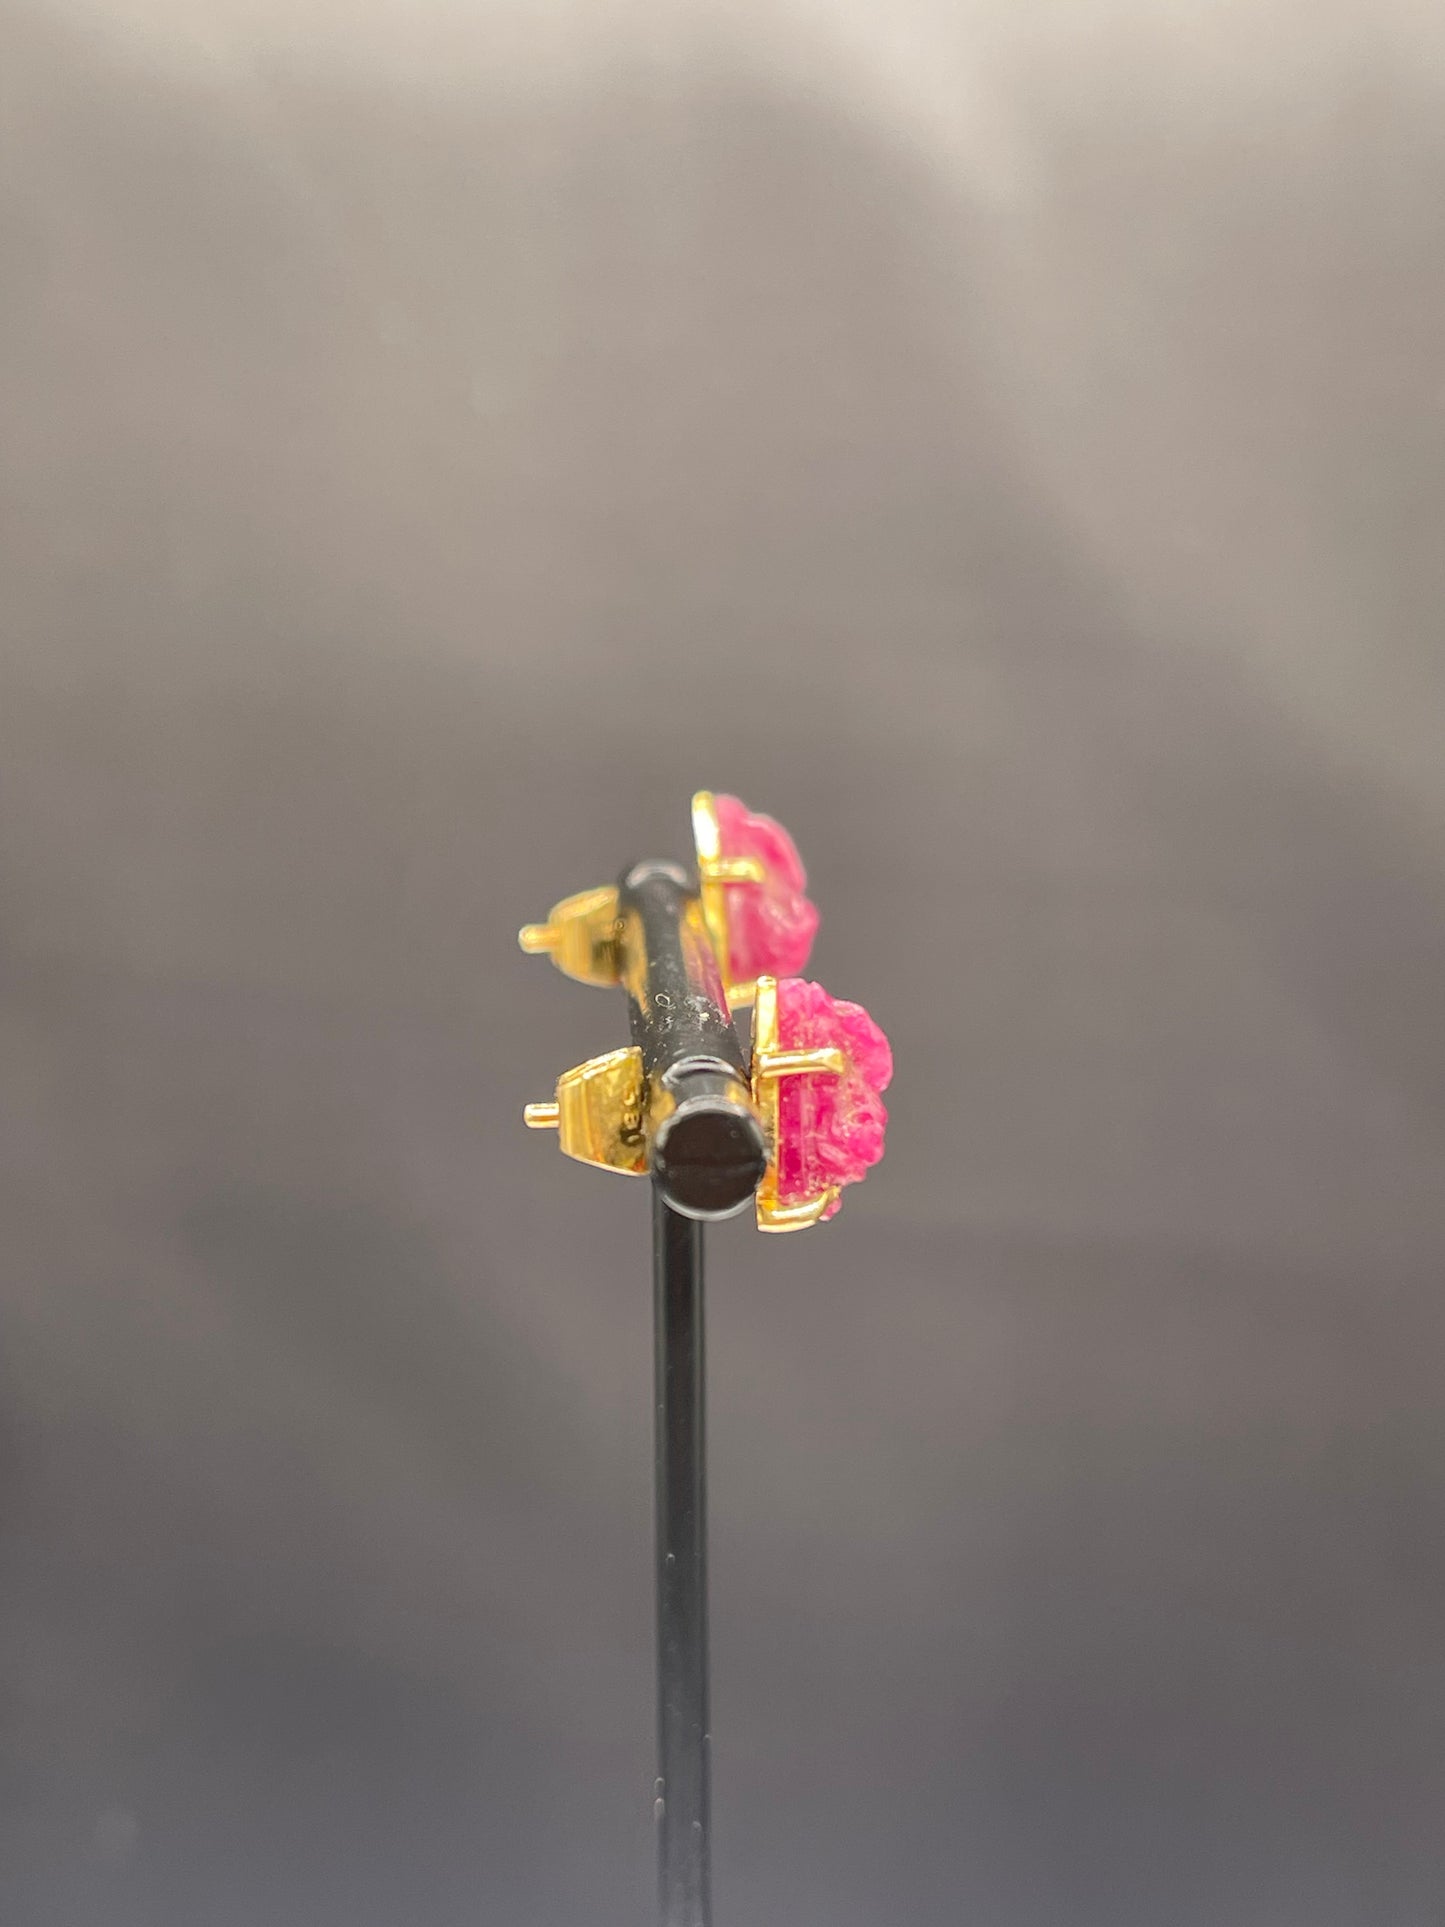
[818, 1065]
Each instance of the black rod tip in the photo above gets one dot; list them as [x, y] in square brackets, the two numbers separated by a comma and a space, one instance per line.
[708, 1158]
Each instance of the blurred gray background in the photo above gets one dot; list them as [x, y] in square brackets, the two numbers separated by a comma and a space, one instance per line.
[1009, 445]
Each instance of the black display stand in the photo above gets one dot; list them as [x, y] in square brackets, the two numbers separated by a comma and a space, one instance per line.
[684, 1822]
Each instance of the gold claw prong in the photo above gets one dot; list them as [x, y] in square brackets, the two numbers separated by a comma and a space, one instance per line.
[537, 938]
[769, 1065]
[542, 1117]
[715, 872]
[706, 835]
[796, 1063]
[732, 869]
[795, 1217]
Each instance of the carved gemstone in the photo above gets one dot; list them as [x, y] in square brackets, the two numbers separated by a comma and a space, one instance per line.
[771, 925]
[830, 1127]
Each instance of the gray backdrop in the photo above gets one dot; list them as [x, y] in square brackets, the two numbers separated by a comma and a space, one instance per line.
[1009, 444]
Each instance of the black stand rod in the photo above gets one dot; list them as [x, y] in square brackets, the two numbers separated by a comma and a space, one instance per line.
[707, 1155]
[683, 1794]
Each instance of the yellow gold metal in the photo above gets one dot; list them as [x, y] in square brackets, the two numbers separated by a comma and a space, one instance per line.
[770, 1064]
[580, 936]
[715, 872]
[706, 832]
[795, 1063]
[797, 1217]
[598, 1113]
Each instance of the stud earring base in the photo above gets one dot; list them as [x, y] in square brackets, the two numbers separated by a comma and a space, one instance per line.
[580, 936]
[597, 1114]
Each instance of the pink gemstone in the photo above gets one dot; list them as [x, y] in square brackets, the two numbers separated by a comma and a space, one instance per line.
[771, 924]
[830, 1128]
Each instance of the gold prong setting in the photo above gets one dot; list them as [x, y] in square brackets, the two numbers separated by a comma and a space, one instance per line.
[770, 1065]
[734, 869]
[828, 1060]
[707, 842]
[716, 873]
[797, 1217]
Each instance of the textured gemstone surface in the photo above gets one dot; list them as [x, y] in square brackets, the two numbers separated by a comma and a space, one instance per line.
[830, 1128]
[771, 924]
